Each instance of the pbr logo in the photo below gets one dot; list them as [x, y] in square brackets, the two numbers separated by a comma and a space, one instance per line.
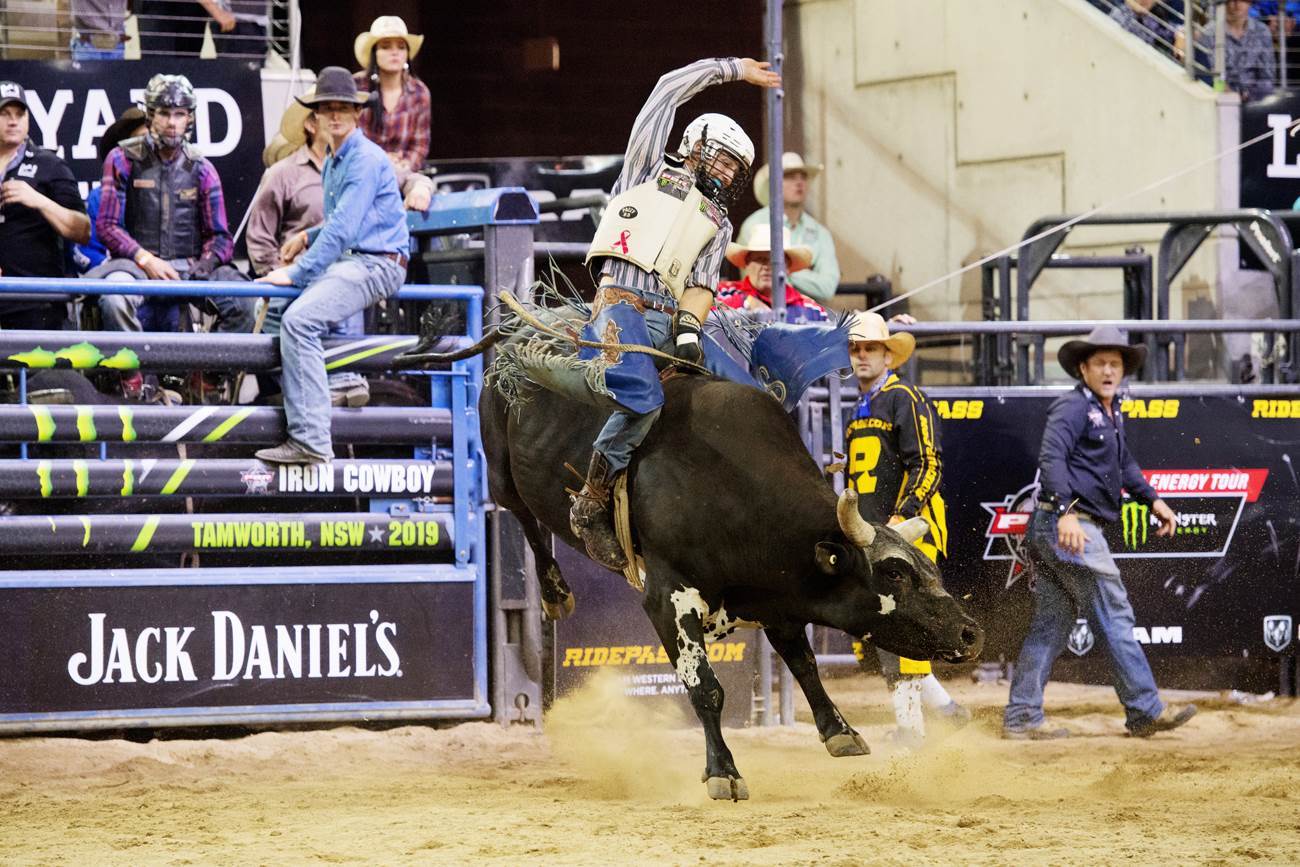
[1008, 521]
[1081, 638]
[1277, 631]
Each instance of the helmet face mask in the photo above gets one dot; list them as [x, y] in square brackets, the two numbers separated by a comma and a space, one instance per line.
[723, 155]
[169, 92]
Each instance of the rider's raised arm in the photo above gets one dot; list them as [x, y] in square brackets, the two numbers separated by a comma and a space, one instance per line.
[645, 146]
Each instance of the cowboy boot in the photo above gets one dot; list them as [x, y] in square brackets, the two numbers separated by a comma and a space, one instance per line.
[591, 519]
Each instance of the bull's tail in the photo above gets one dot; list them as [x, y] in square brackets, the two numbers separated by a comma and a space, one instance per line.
[420, 355]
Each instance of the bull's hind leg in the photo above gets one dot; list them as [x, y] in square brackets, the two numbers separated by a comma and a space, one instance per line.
[791, 644]
[678, 614]
[557, 598]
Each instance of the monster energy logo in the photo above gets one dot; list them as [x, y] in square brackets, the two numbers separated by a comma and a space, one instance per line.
[1135, 520]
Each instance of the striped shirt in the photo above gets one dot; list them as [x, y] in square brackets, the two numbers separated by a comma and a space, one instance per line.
[405, 130]
[214, 231]
[645, 159]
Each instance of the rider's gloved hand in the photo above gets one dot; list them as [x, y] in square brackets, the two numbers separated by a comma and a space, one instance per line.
[687, 337]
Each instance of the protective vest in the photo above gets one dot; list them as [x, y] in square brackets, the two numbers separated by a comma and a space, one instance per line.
[660, 226]
[162, 201]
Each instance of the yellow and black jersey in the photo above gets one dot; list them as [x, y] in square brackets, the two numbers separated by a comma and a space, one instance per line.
[895, 463]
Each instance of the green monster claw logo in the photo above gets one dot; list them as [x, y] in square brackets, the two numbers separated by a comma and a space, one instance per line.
[1135, 519]
[79, 356]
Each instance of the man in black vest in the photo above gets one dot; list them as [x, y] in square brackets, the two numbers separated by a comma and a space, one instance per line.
[162, 216]
[39, 208]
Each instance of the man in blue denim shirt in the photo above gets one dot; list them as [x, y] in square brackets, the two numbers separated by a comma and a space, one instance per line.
[354, 259]
[1082, 464]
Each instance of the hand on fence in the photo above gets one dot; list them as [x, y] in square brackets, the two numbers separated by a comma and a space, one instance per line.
[759, 72]
[278, 277]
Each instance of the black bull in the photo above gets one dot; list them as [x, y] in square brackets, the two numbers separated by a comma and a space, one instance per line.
[737, 526]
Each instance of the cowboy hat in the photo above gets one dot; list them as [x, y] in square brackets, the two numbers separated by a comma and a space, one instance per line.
[790, 162]
[1075, 352]
[760, 241]
[334, 84]
[385, 27]
[868, 327]
[291, 135]
[127, 122]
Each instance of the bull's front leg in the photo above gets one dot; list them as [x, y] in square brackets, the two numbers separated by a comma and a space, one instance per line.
[791, 643]
[678, 614]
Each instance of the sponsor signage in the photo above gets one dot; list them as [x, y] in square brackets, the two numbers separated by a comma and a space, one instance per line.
[71, 104]
[99, 646]
[609, 631]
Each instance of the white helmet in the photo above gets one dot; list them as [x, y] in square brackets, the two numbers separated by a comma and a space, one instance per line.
[721, 129]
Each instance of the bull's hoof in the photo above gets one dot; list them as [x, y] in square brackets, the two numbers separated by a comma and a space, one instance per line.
[561, 609]
[847, 744]
[727, 789]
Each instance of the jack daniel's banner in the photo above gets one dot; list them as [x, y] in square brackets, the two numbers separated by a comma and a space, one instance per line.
[109, 645]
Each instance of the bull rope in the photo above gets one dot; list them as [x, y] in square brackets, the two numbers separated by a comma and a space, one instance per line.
[532, 321]
[1292, 128]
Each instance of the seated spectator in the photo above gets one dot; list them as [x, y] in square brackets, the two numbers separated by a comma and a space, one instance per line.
[754, 290]
[129, 125]
[98, 29]
[821, 280]
[397, 115]
[39, 205]
[162, 215]
[1250, 63]
[1136, 17]
[290, 200]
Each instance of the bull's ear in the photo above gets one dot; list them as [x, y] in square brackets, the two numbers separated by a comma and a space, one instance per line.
[832, 559]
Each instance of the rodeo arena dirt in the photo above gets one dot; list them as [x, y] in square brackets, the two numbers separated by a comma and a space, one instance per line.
[930, 500]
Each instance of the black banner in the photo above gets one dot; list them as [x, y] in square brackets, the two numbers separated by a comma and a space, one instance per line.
[71, 104]
[608, 629]
[123, 648]
[1270, 169]
[1223, 585]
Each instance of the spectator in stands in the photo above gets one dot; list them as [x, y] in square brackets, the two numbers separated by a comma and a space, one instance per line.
[40, 207]
[162, 215]
[895, 465]
[1250, 62]
[1281, 19]
[754, 290]
[820, 281]
[98, 29]
[397, 114]
[1083, 463]
[290, 200]
[1136, 17]
[130, 124]
[355, 258]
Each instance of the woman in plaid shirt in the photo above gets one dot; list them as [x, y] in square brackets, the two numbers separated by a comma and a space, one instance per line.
[398, 118]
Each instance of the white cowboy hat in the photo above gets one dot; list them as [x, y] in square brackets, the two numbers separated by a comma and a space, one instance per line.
[385, 27]
[790, 162]
[867, 327]
[291, 135]
[760, 241]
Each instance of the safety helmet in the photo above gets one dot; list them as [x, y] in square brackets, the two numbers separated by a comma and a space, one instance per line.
[169, 91]
[714, 133]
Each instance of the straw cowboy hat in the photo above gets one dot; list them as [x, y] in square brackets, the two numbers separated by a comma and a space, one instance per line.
[867, 327]
[1076, 352]
[790, 162]
[385, 27]
[291, 135]
[760, 241]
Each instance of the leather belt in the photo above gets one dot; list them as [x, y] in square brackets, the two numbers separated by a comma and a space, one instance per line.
[392, 257]
[607, 295]
[1081, 515]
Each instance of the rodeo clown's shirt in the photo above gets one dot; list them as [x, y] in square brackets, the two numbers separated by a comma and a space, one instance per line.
[895, 463]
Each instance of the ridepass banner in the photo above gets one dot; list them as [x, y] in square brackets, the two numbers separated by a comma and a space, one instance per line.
[71, 104]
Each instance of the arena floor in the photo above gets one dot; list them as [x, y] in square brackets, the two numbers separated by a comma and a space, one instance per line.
[604, 785]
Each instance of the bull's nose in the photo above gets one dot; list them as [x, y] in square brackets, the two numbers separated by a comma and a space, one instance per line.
[969, 635]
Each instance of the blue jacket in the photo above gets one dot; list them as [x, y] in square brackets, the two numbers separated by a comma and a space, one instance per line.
[1084, 457]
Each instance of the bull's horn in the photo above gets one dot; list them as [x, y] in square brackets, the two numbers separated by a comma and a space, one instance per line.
[860, 533]
[912, 529]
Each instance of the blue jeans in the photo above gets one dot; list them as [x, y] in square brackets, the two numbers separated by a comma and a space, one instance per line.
[86, 51]
[1094, 579]
[353, 326]
[346, 288]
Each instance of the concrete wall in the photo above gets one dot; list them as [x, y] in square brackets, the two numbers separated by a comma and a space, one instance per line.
[947, 126]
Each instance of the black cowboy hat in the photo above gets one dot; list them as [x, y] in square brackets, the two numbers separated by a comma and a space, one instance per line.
[1076, 352]
[126, 123]
[334, 84]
